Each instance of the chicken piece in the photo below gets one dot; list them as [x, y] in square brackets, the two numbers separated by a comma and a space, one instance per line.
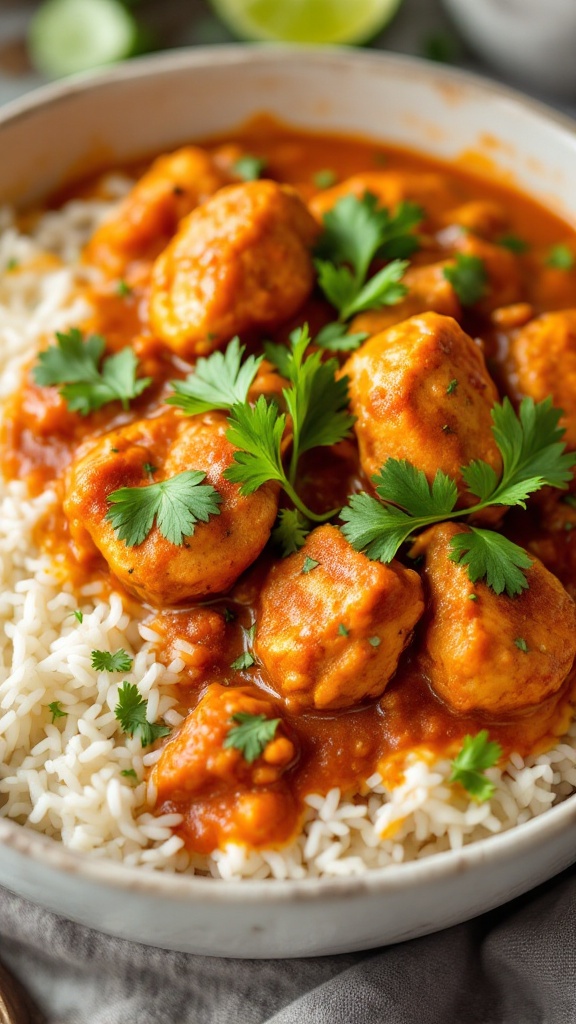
[331, 635]
[421, 391]
[431, 191]
[482, 217]
[157, 571]
[429, 291]
[242, 260]
[238, 800]
[499, 655]
[536, 354]
[149, 215]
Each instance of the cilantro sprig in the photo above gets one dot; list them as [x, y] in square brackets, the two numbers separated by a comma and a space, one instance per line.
[356, 232]
[131, 712]
[251, 734]
[468, 767]
[468, 277]
[108, 661]
[176, 504]
[533, 456]
[87, 381]
[317, 402]
[218, 382]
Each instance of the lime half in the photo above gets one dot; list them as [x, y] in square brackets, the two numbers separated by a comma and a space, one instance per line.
[306, 21]
[66, 36]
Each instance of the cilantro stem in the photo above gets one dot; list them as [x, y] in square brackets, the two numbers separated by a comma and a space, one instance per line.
[314, 516]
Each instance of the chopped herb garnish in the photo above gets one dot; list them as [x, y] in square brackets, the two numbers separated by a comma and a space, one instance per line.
[176, 504]
[374, 641]
[451, 389]
[521, 644]
[131, 713]
[12, 264]
[334, 338]
[251, 734]
[441, 48]
[129, 773]
[513, 243]
[249, 167]
[560, 257]
[149, 468]
[532, 456]
[78, 615]
[87, 380]
[251, 633]
[55, 709]
[105, 661]
[228, 615]
[325, 178]
[309, 565]
[477, 754]
[472, 597]
[246, 660]
[468, 278]
[218, 382]
[123, 289]
[342, 630]
[291, 531]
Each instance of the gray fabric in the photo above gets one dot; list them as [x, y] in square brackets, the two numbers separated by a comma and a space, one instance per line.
[516, 965]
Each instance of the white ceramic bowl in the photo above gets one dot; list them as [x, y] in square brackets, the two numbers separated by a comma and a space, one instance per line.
[152, 105]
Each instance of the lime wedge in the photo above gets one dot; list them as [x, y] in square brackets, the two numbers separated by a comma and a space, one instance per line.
[306, 21]
[66, 36]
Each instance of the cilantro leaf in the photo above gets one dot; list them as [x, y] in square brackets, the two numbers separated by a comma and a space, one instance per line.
[513, 243]
[533, 456]
[105, 661]
[55, 709]
[249, 167]
[490, 556]
[131, 713]
[468, 278]
[85, 386]
[478, 753]
[334, 338]
[354, 230]
[246, 660]
[176, 504]
[560, 257]
[251, 734]
[325, 178]
[218, 382]
[400, 243]
[291, 531]
[308, 565]
[257, 432]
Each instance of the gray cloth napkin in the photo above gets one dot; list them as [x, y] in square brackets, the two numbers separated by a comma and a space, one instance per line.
[515, 965]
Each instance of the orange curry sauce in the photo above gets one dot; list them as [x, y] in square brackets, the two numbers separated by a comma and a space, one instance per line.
[335, 748]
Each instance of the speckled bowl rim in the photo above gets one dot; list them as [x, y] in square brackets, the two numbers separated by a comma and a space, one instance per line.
[504, 846]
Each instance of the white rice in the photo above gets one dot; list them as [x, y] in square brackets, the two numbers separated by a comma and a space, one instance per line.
[64, 778]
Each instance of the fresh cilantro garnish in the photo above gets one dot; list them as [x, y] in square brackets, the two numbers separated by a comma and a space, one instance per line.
[12, 264]
[441, 48]
[532, 456]
[357, 231]
[105, 661]
[55, 709]
[249, 167]
[176, 504]
[374, 641]
[87, 386]
[129, 773]
[468, 767]
[453, 385]
[472, 597]
[218, 382]
[513, 243]
[342, 631]
[308, 565]
[123, 289]
[317, 402]
[291, 531]
[560, 257]
[468, 278]
[149, 468]
[251, 734]
[521, 644]
[325, 178]
[131, 713]
[245, 660]
[333, 338]
[228, 615]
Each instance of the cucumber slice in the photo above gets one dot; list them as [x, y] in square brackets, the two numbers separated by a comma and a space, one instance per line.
[307, 21]
[66, 36]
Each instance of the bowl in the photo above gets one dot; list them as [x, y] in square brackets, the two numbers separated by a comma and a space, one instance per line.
[68, 130]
